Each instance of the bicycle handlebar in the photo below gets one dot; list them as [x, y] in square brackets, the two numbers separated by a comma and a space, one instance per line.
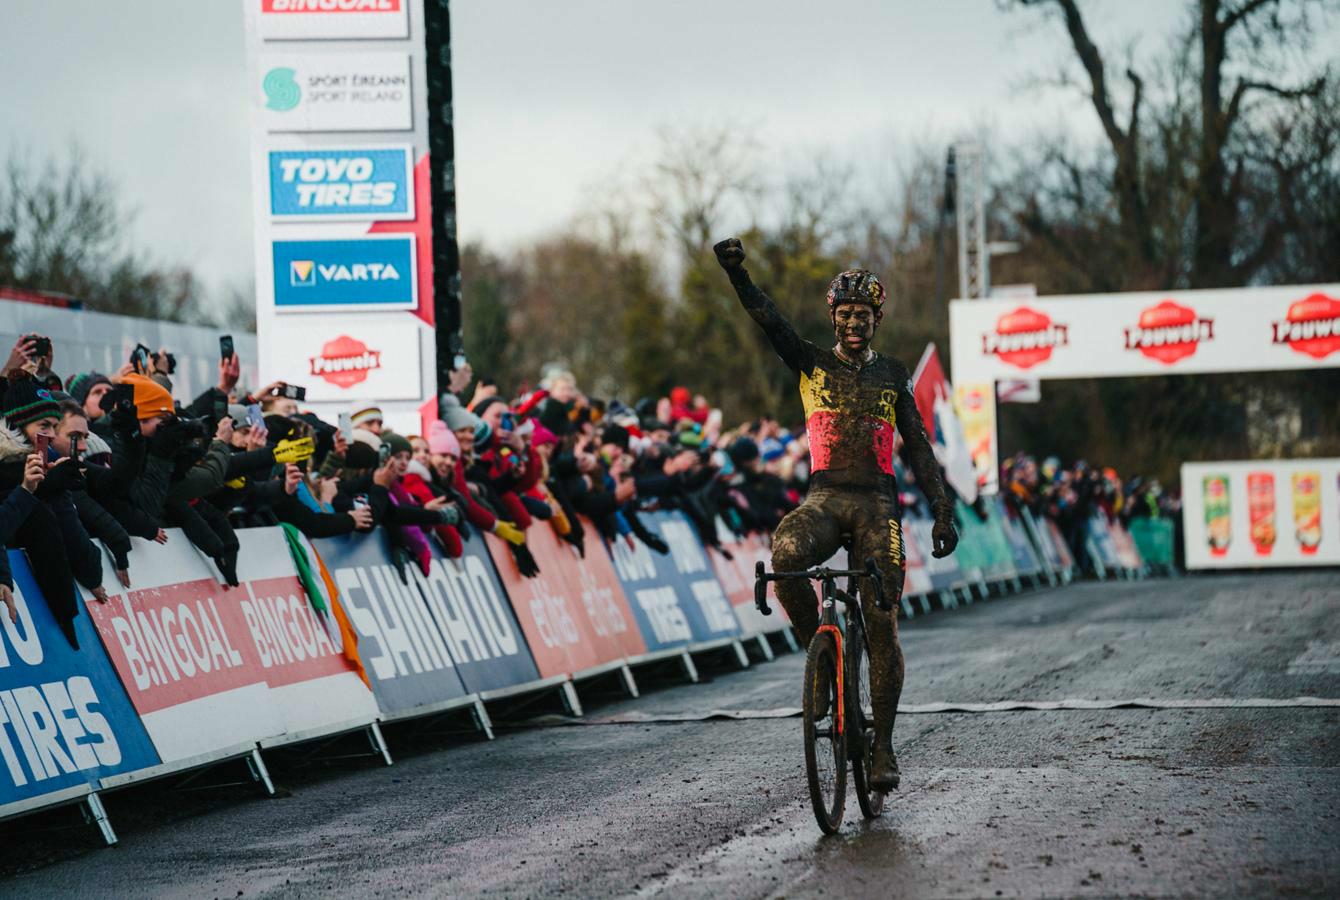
[822, 573]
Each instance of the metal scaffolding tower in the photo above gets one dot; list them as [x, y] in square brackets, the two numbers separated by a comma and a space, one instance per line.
[974, 279]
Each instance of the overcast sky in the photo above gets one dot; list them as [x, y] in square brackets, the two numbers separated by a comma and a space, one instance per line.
[551, 95]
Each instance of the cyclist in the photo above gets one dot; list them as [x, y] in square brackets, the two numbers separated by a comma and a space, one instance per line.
[853, 398]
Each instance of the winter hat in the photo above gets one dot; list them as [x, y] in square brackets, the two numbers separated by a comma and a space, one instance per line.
[441, 440]
[151, 398]
[79, 385]
[616, 435]
[367, 414]
[360, 456]
[771, 449]
[482, 406]
[483, 433]
[744, 450]
[455, 415]
[398, 443]
[95, 448]
[542, 436]
[238, 413]
[278, 427]
[26, 401]
[363, 436]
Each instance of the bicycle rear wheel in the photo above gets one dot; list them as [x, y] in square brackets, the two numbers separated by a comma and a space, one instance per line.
[825, 746]
[861, 727]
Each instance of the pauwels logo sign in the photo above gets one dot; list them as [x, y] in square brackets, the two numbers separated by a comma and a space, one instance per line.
[1311, 326]
[345, 362]
[1025, 337]
[346, 274]
[1169, 332]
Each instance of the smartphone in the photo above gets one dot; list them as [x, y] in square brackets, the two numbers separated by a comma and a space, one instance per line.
[361, 501]
[383, 454]
[139, 358]
[295, 392]
[42, 443]
[459, 361]
[508, 422]
[347, 427]
[41, 345]
[254, 417]
[226, 347]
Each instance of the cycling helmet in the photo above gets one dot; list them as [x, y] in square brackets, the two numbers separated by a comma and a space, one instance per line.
[857, 286]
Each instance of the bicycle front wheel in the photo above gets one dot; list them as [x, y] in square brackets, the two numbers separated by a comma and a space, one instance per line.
[825, 744]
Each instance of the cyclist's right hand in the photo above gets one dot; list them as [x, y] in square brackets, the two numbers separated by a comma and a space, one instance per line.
[730, 253]
[944, 537]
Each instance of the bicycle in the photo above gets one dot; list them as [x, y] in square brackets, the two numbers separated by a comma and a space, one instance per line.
[838, 715]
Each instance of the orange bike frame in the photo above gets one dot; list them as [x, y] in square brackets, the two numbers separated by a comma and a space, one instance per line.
[842, 688]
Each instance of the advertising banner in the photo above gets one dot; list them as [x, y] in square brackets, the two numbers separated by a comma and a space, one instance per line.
[977, 410]
[1261, 513]
[917, 582]
[298, 20]
[183, 647]
[335, 92]
[676, 597]
[737, 580]
[377, 360]
[65, 720]
[1151, 333]
[340, 203]
[297, 649]
[405, 655]
[944, 574]
[1100, 537]
[1026, 560]
[332, 185]
[471, 609]
[364, 273]
[574, 614]
[1154, 540]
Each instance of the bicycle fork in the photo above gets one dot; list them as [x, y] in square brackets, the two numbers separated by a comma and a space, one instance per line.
[828, 623]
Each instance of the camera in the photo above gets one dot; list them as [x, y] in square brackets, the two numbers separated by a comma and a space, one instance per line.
[41, 345]
[165, 362]
[294, 392]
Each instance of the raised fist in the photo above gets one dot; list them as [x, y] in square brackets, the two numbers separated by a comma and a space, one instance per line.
[730, 253]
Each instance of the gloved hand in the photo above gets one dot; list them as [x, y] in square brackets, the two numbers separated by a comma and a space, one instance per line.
[400, 560]
[944, 534]
[228, 568]
[730, 254]
[656, 543]
[525, 561]
[450, 514]
[509, 532]
[61, 476]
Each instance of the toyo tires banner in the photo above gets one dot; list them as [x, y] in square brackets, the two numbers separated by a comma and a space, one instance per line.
[675, 596]
[1152, 333]
[65, 719]
[1265, 513]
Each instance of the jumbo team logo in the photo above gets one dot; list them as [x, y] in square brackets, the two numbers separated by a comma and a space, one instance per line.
[345, 362]
[1311, 326]
[1169, 332]
[1025, 337]
[373, 272]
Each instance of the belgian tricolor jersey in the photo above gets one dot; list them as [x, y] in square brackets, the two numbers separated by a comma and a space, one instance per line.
[850, 411]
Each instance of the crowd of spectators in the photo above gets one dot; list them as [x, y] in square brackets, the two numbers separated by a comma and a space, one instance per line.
[1071, 495]
[88, 456]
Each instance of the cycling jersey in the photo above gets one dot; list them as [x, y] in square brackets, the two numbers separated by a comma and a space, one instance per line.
[850, 411]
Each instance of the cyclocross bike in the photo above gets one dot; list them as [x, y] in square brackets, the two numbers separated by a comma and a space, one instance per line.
[838, 715]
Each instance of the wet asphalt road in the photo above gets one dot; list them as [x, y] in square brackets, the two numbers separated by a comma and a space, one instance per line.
[1129, 802]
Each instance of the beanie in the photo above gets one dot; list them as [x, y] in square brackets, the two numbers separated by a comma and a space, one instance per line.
[26, 401]
[367, 414]
[151, 398]
[238, 413]
[616, 435]
[360, 456]
[441, 440]
[455, 415]
[79, 385]
[744, 450]
[482, 406]
[398, 443]
[483, 434]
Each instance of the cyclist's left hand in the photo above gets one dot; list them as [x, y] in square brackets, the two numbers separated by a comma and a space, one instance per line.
[944, 537]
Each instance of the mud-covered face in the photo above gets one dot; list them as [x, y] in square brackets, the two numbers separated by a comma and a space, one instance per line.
[854, 327]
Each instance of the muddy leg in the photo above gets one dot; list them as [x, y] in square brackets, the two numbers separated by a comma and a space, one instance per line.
[806, 537]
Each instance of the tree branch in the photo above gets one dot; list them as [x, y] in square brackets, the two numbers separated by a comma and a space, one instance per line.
[1243, 86]
[1242, 12]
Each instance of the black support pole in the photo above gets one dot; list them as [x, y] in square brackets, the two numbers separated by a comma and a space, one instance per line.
[442, 165]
